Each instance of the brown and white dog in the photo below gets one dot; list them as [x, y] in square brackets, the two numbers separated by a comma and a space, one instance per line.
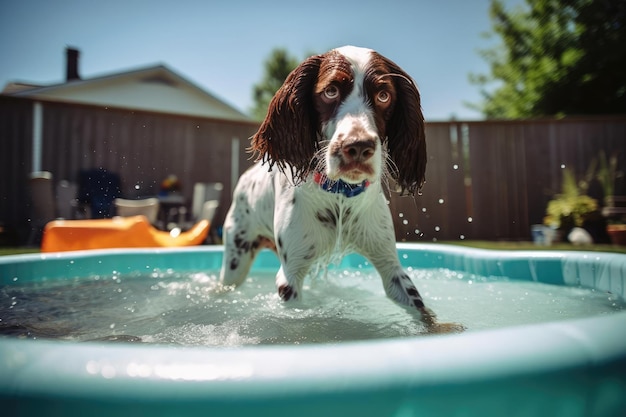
[341, 123]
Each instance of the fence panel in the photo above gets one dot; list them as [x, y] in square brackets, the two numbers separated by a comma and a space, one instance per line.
[498, 178]
[141, 147]
[15, 162]
[484, 180]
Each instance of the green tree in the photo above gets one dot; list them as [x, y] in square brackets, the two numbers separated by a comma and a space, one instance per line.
[557, 58]
[277, 68]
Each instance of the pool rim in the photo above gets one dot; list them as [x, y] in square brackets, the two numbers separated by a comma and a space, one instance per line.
[186, 372]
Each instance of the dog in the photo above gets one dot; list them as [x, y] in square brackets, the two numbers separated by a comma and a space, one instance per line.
[343, 126]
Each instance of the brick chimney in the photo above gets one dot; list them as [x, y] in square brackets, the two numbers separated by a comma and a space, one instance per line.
[71, 63]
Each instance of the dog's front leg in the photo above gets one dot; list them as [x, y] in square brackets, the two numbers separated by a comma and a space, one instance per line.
[299, 242]
[296, 258]
[399, 287]
[379, 246]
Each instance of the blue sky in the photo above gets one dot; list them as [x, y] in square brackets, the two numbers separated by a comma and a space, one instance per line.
[221, 45]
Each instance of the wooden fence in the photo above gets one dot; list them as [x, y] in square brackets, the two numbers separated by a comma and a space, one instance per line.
[141, 147]
[485, 180]
[493, 179]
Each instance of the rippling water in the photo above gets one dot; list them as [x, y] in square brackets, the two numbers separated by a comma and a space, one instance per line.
[192, 309]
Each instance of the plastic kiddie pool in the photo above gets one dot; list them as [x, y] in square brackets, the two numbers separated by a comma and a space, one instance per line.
[566, 368]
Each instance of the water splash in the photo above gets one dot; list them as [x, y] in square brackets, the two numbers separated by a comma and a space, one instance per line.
[193, 309]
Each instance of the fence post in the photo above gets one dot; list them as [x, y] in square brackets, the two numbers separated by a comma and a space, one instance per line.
[37, 135]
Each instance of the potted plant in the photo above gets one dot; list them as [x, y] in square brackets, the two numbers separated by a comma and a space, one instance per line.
[569, 208]
[617, 233]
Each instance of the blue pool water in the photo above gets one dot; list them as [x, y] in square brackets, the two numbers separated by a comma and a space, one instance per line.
[192, 309]
[149, 332]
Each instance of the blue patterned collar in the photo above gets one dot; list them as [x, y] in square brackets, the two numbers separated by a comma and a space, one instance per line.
[340, 186]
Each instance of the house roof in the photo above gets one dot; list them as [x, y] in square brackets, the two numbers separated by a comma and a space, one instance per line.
[12, 88]
[155, 88]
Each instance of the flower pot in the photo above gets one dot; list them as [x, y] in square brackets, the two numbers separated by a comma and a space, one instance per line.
[617, 233]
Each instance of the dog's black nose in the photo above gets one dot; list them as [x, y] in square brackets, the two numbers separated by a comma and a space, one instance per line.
[358, 150]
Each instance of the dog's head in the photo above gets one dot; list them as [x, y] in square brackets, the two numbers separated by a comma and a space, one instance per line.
[349, 113]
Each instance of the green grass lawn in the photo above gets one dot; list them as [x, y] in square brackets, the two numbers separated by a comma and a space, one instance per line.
[17, 251]
[506, 245]
[480, 244]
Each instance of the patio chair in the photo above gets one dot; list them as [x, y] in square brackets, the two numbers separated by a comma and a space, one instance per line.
[66, 201]
[208, 210]
[203, 192]
[206, 200]
[148, 207]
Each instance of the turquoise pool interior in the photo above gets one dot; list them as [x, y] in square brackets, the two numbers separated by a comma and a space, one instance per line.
[569, 368]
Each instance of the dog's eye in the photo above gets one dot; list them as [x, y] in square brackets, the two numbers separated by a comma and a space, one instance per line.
[331, 92]
[383, 96]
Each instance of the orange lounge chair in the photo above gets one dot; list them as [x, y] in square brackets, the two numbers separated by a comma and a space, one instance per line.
[118, 232]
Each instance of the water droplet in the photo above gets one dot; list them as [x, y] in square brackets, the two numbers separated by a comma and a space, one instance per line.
[441, 201]
[469, 219]
[423, 209]
[405, 221]
[562, 166]
[437, 228]
[462, 237]
[455, 167]
[400, 214]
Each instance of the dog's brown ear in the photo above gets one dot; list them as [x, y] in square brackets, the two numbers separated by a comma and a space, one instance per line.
[288, 135]
[405, 132]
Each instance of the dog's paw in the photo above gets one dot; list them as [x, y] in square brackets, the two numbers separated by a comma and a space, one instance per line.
[429, 318]
[443, 328]
[286, 292]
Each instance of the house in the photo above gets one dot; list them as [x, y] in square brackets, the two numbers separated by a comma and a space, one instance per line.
[143, 124]
[155, 89]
